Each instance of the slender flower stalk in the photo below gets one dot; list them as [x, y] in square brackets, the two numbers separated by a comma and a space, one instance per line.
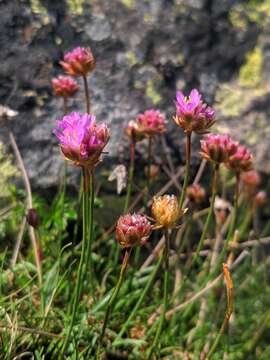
[87, 95]
[210, 213]
[115, 293]
[131, 231]
[141, 299]
[165, 295]
[229, 311]
[186, 178]
[79, 279]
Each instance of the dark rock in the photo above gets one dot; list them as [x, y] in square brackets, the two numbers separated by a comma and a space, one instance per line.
[144, 51]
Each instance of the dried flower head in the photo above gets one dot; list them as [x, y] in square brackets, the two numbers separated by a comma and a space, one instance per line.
[78, 62]
[150, 123]
[218, 148]
[132, 230]
[64, 86]
[192, 114]
[241, 160]
[81, 139]
[196, 193]
[166, 210]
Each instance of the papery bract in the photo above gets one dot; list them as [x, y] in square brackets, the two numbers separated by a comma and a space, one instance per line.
[132, 230]
[192, 114]
[166, 210]
[218, 148]
[78, 62]
[81, 139]
[64, 86]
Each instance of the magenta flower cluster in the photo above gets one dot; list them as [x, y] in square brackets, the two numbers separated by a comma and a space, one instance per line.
[218, 148]
[192, 114]
[81, 139]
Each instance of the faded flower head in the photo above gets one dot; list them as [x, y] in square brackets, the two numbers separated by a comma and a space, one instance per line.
[132, 230]
[151, 122]
[192, 114]
[166, 210]
[251, 180]
[241, 160]
[64, 86]
[81, 139]
[78, 62]
[132, 131]
[260, 198]
[218, 148]
[196, 193]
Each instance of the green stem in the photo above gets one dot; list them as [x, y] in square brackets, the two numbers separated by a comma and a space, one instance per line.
[65, 107]
[186, 179]
[218, 337]
[90, 230]
[148, 173]
[140, 301]
[87, 96]
[115, 293]
[165, 295]
[80, 269]
[209, 215]
[232, 224]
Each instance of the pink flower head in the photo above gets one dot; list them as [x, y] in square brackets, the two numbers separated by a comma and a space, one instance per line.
[218, 148]
[241, 160]
[132, 230]
[196, 193]
[78, 62]
[81, 139]
[151, 122]
[64, 86]
[192, 114]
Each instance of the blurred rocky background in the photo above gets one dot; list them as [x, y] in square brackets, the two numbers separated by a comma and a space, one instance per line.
[145, 50]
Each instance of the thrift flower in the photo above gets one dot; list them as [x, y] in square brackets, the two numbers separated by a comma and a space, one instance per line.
[241, 160]
[132, 131]
[132, 230]
[196, 193]
[150, 123]
[192, 114]
[251, 180]
[81, 139]
[218, 148]
[78, 62]
[166, 210]
[64, 86]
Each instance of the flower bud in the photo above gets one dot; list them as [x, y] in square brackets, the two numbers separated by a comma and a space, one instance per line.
[64, 86]
[154, 171]
[241, 160]
[132, 230]
[218, 148]
[192, 114]
[166, 210]
[133, 132]
[33, 218]
[196, 193]
[260, 198]
[78, 62]
[150, 123]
